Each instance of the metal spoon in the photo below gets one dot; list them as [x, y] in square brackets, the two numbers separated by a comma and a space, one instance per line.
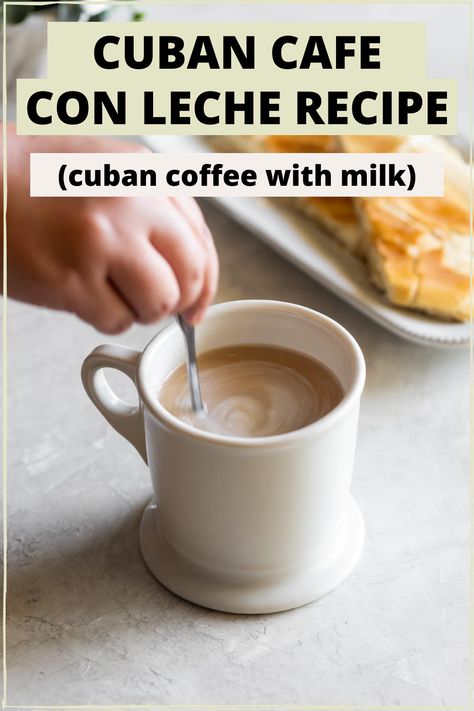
[193, 376]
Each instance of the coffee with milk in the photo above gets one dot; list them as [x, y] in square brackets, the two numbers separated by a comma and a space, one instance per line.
[254, 391]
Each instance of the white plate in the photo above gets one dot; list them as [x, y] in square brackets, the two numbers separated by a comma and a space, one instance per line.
[317, 254]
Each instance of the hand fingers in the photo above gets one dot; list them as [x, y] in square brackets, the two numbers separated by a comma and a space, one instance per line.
[196, 313]
[100, 305]
[175, 269]
[147, 281]
[191, 211]
[178, 244]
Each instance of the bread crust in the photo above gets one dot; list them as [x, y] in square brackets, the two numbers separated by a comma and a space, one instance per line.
[417, 249]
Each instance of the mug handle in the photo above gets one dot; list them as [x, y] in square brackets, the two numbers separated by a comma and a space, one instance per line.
[126, 419]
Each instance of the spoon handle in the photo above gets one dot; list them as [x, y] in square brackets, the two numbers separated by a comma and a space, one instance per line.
[193, 376]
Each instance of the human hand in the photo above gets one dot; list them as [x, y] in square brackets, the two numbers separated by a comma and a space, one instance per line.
[111, 261]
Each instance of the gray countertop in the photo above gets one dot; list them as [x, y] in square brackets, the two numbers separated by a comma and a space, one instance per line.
[87, 623]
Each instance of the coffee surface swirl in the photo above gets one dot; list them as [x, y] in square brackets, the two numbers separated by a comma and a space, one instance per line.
[254, 391]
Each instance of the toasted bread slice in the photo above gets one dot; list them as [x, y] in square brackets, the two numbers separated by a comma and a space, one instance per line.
[418, 248]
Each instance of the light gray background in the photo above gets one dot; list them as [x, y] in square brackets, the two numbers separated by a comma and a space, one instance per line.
[88, 624]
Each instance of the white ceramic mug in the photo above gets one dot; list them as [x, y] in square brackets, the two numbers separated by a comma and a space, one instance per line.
[251, 525]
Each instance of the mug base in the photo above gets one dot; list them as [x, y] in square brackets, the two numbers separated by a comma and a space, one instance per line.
[252, 597]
